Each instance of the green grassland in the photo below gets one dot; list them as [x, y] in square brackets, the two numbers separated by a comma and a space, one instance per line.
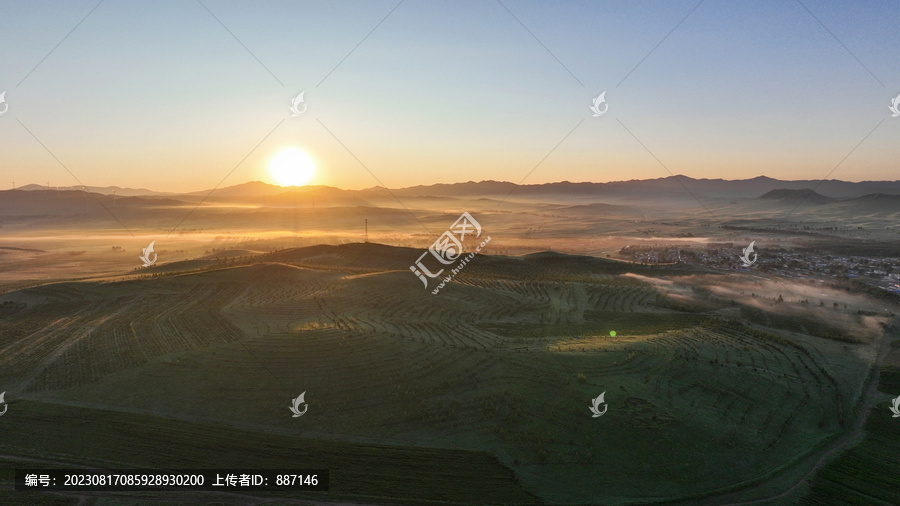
[499, 369]
[867, 473]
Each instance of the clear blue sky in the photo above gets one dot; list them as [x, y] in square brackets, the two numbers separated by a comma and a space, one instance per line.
[160, 95]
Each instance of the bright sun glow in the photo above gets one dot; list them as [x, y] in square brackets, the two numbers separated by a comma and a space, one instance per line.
[292, 167]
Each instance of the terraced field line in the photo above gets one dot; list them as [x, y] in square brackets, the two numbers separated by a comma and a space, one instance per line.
[53, 357]
[868, 401]
[42, 461]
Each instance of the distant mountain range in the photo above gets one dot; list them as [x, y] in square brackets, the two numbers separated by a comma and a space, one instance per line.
[671, 186]
[709, 188]
[882, 194]
[104, 190]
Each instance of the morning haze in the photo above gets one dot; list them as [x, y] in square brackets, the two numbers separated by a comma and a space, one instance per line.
[449, 253]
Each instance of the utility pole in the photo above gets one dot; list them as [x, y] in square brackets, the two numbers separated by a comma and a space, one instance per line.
[367, 230]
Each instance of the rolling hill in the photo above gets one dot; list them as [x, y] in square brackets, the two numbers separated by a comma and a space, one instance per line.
[502, 364]
[804, 196]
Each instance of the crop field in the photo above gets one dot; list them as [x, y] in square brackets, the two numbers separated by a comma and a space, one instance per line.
[502, 364]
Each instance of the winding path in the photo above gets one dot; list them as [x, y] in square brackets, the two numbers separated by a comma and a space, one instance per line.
[869, 395]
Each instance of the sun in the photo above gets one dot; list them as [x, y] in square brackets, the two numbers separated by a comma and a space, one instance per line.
[292, 167]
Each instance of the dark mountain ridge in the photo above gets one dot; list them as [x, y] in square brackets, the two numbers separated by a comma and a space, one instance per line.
[671, 185]
[797, 196]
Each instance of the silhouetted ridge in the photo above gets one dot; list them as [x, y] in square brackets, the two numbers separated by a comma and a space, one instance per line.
[804, 195]
[351, 256]
[872, 203]
[877, 197]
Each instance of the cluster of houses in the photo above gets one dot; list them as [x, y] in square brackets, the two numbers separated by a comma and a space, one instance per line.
[882, 272]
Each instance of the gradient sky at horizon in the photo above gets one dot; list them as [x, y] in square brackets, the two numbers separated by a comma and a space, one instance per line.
[160, 95]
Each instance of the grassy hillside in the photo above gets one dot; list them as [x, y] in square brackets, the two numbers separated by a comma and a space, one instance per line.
[503, 362]
[866, 473]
